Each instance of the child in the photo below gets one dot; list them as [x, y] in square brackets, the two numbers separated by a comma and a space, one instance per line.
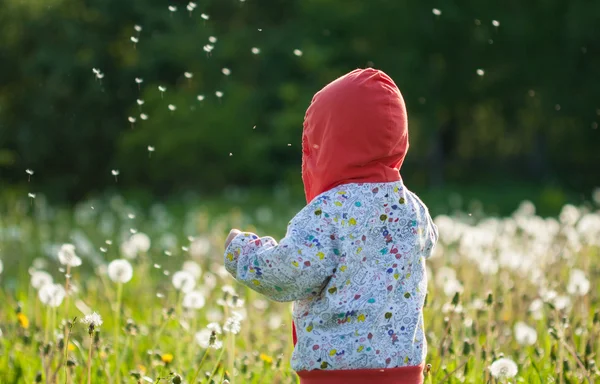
[353, 260]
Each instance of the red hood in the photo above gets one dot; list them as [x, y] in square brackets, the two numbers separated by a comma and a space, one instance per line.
[355, 131]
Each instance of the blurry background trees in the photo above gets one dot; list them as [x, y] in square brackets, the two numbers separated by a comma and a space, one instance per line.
[497, 93]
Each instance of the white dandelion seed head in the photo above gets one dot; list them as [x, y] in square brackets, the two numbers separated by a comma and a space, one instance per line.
[480, 72]
[495, 23]
[212, 39]
[95, 70]
[138, 28]
[255, 50]
[452, 286]
[150, 148]
[139, 80]
[129, 250]
[190, 8]
[40, 278]
[204, 16]
[115, 172]
[193, 268]
[232, 325]
[184, 281]
[200, 247]
[562, 302]
[131, 119]
[100, 75]
[103, 249]
[193, 300]
[503, 368]
[436, 11]
[524, 334]
[200, 97]
[161, 88]
[29, 172]
[274, 322]
[32, 195]
[143, 116]
[141, 241]
[93, 320]
[140, 102]
[219, 94]
[120, 271]
[208, 48]
[172, 107]
[203, 338]
[214, 326]
[188, 75]
[226, 71]
[52, 295]
[172, 8]
[67, 256]
[578, 284]
[297, 52]
[134, 39]
[192, 5]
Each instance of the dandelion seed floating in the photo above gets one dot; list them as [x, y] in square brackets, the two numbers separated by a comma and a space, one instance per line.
[190, 9]
[200, 97]
[139, 81]
[138, 28]
[99, 76]
[103, 249]
[188, 75]
[255, 50]
[212, 39]
[230, 154]
[30, 173]
[133, 231]
[31, 196]
[115, 173]
[172, 108]
[131, 216]
[219, 94]
[131, 120]
[204, 16]
[557, 107]
[96, 71]
[143, 116]
[480, 72]
[436, 11]
[162, 90]
[297, 52]
[150, 150]
[226, 71]
[495, 23]
[134, 40]
[172, 9]
[208, 49]
[108, 242]
[289, 144]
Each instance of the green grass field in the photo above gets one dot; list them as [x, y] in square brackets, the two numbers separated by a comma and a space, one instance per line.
[522, 288]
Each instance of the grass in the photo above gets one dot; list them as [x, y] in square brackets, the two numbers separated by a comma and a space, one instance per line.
[148, 336]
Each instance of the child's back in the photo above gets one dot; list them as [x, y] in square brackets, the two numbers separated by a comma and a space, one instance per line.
[353, 258]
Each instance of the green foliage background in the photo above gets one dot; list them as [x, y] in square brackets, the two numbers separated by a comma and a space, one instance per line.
[532, 117]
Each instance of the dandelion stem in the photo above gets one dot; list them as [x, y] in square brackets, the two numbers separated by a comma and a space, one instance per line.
[117, 324]
[89, 360]
[199, 366]
[47, 325]
[217, 364]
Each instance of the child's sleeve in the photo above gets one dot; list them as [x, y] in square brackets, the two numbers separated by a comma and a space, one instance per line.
[296, 268]
[430, 232]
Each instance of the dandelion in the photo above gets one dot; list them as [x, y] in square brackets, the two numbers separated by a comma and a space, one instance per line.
[184, 281]
[255, 50]
[503, 368]
[226, 71]
[524, 334]
[52, 295]
[166, 358]
[297, 52]
[140, 102]
[190, 8]
[103, 249]
[578, 285]
[134, 40]
[143, 116]
[436, 11]
[219, 94]
[172, 8]
[495, 23]
[131, 120]
[150, 150]
[67, 256]
[93, 321]
[480, 72]
[30, 173]
[208, 48]
[275, 322]
[40, 278]
[193, 300]
[120, 271]
[193, 268]
[200, 97]
[172, 107]
[99, 76]
[23, 320]
[188, 75]
[141, 241]
[162, 90]
[95, 71]
[204, 16]
[232, 325]
[212, 39]
[31, 196]
[137, 28]
[266, 358]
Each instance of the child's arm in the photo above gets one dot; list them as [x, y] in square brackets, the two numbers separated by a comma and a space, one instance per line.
[430, 232]
[295, 268]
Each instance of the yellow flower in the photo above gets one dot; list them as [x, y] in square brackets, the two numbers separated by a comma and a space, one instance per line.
[71, 347]
[23, 320]
[266, 358]
[142, 369]
[167, 358]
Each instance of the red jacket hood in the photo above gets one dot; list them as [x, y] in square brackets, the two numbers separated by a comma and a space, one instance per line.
[355, 131]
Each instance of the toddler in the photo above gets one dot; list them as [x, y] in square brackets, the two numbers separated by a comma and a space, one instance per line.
[353, 260]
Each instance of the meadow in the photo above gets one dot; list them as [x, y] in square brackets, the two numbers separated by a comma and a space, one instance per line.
[105, 292]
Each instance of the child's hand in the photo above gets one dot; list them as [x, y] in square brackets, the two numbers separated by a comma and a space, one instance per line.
[233, 233]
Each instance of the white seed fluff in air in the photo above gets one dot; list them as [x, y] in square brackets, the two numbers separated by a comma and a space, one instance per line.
[131, 119]
[143, 116]
[139, 80]
[495, 23]
[32, 195]
[524, 334]
[184, 281]
[140, 102]
[134, 39]
[193, 300]
[255, 50]
[226, 71]
[219, 94]
[192, 5]
[120, 271]
[480, 72]
[161, 88]
[208, 48]
[95, 70]
[29, 172]
[100, 75]
[188, 75]
[40, 278]
[150, 148]
[436, 11]
[115, 172]
[212, 39]
[141, 241]
[172, 107]
[94, 320]
[172, 8]
[297, 52]
[200, 97]
[67, 256]
[138, 28]
[52, 295]
[205, 16]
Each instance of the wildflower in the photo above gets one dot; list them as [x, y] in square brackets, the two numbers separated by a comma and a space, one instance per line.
[141, 242]
[52, 295]
[129, 249]
[214, 327]
[452, 287]
[183, 281]
[40, 278]
[266, 358]
[275, 322]
[23, 320]
[536, 308]
[578, 283]
[67, 256]
[207, 338]
[193, 268]
[524, 334]
[193, 300]
[232, 325]
[214, 315]
[93, 321]
[166, 358]
[120, 271]
[503, 369]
